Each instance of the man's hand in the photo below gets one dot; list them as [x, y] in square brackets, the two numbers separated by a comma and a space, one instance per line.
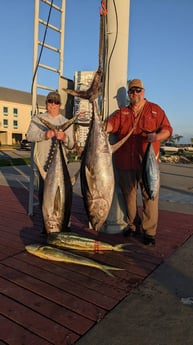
[151, 137]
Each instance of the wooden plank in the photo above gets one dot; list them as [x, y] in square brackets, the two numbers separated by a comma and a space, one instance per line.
[13, 334]
[114, 290]
[90, 295]
[52, 293]
[39, 325]
[63, 316]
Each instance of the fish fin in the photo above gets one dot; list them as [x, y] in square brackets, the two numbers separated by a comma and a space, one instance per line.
[157, 156]
[120, 247]
[37, 161]
[117, 145]
[107, 269]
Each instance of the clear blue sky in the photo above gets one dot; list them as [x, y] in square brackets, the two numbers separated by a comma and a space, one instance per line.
[160, 49]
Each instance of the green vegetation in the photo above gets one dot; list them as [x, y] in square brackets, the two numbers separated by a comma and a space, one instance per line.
[4, 162]
[14, 161]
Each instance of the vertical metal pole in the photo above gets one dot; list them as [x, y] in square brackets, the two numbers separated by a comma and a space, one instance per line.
[61, 62]
[34, 99]
[115, 88]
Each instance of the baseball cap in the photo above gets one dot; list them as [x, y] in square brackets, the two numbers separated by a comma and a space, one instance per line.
[135, 83]
[53, 96]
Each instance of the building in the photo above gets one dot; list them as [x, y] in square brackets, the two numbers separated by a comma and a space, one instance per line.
[16, 110]
[15, 114]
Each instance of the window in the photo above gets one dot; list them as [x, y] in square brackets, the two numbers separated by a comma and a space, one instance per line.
[5, 123]
[15, 124]
[15, 111]
[5, 110]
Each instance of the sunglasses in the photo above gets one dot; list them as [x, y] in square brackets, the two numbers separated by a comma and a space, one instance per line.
[135, 89]
[50, 101]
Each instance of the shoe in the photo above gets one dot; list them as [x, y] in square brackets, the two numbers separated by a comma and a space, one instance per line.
[149, 240]
[128, 232]
[43, 231]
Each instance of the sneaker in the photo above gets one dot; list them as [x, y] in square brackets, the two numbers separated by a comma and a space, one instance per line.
[149, 240]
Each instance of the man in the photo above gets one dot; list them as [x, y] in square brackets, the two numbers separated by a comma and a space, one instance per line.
[43, 137]
[142, 117]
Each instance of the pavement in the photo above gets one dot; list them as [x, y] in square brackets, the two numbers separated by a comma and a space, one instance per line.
[160, 310]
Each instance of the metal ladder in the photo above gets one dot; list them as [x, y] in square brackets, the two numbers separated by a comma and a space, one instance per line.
[58, 49]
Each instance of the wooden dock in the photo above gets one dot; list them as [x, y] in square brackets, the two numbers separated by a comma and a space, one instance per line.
[45, 302]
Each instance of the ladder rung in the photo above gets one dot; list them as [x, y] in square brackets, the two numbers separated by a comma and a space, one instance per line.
[48, 67]
[43, 87]
[53, 5]
[49, 25]
[57, 50]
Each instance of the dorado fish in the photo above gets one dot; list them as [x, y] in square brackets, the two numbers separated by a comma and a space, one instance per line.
[96, 173]
[150, 172]
[54, 254]
[74, 241]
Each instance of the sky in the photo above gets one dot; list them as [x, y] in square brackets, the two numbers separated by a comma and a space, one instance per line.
[160, 50]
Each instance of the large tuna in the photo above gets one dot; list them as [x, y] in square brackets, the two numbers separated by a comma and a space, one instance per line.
[57, 197]
[97, 175]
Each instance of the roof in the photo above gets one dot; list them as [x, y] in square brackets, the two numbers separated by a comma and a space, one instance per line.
[16, 96]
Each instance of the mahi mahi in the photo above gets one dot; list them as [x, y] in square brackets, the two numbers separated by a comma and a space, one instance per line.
[74, 241]
[54, 254]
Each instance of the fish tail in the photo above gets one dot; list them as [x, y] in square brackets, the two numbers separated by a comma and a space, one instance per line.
[120, 247]
[107, 269]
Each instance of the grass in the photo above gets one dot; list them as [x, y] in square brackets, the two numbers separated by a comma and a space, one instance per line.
[14, 161]
[8, 161]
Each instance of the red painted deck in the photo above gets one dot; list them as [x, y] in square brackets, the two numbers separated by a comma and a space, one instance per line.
[44, 302]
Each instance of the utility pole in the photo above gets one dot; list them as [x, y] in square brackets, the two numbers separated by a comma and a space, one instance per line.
[117, 37]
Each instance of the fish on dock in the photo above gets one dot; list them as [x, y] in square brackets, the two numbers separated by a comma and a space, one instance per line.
[51, 253]
[74, 241]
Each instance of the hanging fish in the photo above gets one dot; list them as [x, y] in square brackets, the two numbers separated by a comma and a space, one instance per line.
[96, 173]
[150, 172]
[57, 197]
